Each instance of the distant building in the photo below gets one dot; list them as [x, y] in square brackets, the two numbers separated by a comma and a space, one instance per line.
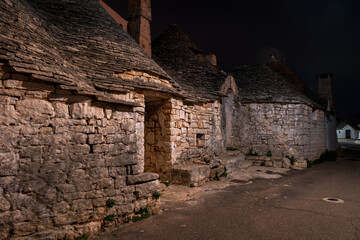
[348, 130]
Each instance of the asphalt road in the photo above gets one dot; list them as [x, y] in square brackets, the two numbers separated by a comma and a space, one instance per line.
[287, 208]
[349, 144]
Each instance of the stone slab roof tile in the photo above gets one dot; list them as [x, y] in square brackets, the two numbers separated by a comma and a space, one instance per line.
[259, 83]
[71, 42]
[186, 63]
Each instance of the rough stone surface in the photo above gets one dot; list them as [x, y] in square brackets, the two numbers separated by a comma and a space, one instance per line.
[190, 174]
[80, 55]
[179, 133]
[58, 168]
[142, 178]
[293, 130]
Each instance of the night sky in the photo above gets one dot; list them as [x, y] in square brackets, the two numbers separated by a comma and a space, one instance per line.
[315, 36]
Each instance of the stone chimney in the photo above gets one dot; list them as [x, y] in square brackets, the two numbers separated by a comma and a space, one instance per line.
[139, 19]
[324, 86]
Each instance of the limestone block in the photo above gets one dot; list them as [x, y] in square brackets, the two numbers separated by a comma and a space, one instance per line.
[104, 183]
[121, 160]
[78, 148]
[8, 164]
[31, 152]
[108, 130]
[129, 126]
[36, 94]
[35, 108]
[90, 228]
[64, 219]
[150, 138]
[66, 188]
[117, 171]
[120, 115]
[146, 190]
[13, 84]
[82, 129]
[59, 122]
[84, 110]
[61, 207]
[190, 174]
[105, 148]
[81, 205]
[24, 228]
[4, 205]
[83, 186]
[135, 169]
[286, 162]
[6, 229]
[120, 182]
[95, 139]
[116, 138]
[142, 178]
[61, 110]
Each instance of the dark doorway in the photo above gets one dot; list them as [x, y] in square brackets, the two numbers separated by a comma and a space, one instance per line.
[157, 137]
[348, 134]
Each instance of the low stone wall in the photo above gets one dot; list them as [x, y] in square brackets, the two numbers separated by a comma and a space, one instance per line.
[62, 160]
[283, 129]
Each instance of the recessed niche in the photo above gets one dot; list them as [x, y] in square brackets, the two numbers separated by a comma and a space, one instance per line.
[200, 140]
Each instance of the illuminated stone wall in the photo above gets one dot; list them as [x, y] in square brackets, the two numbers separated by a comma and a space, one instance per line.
[196, 131]
[284, 129]
[63, 155]
[180, 133]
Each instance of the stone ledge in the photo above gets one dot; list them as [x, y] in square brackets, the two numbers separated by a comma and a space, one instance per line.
[142, 178]
[190, 174]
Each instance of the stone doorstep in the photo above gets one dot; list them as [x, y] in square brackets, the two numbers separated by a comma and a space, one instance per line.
[175, 193]
[142, 178]
[233, 163]
[190, 174]
[197, 174]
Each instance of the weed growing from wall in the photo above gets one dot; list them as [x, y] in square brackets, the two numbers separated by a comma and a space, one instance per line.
[251, 153]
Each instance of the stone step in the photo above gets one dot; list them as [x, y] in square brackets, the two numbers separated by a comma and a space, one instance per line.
[245, 164]
[265, 161]
[190, 174]
[232, 163]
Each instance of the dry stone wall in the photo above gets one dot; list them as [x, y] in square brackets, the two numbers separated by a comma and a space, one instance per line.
[195, 131]
[62, 159]
[180, 133]
[284, 129]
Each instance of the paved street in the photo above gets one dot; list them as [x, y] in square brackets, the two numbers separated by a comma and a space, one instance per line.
[349, 144]
[287, 208]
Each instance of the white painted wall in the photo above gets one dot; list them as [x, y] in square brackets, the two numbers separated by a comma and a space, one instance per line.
[341, 133]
